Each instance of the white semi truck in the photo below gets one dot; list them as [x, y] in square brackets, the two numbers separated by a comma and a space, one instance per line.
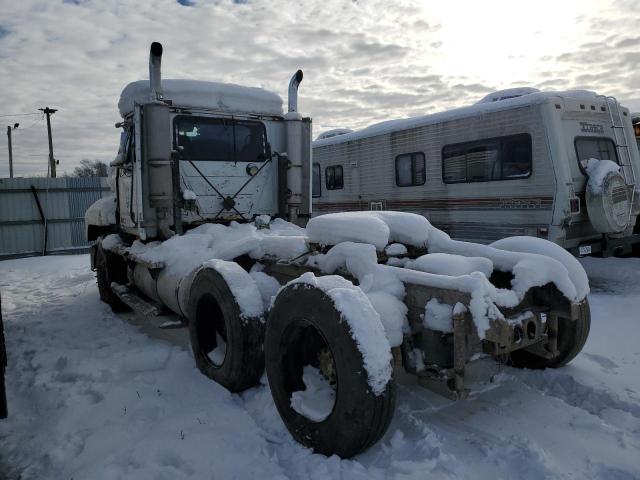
[211, 221]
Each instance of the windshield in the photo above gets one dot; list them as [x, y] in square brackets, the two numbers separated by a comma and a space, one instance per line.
[219, 139]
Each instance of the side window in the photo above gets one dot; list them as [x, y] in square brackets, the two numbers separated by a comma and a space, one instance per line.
[516, 158]
[410, 169]
[503, 158]
[316, 185]
[595, 147]
[219, 139]
[333, 177]
[250, 141]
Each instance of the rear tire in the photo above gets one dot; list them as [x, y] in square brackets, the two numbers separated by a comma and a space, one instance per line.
[303, 325]
[110, 268]
[572, 335]
[227, 348]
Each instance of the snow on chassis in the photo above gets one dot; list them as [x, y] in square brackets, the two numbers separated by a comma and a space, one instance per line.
[210, 221]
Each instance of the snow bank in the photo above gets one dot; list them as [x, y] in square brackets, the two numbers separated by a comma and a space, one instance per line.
[242, 287]
[224, 97]
[364, 324]
[597, 170]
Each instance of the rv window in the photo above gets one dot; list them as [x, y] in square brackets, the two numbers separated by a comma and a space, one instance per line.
[333, 177]
[592, 147]
[316, 186]
[501, 158]
[516, 158]
[410, 169]
[219, 139]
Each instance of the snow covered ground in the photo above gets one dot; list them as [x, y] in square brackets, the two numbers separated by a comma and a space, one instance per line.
[93, 395]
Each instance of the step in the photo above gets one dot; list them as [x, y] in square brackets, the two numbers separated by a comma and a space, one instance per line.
[172, 325]
[135, 301]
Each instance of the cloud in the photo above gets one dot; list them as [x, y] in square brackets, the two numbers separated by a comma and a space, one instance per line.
[364, 62]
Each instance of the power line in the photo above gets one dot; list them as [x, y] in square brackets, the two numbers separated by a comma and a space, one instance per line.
[37, 121]
[19, 114]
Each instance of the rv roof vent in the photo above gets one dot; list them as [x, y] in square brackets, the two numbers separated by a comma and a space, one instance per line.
[333, 133]
[507, 94]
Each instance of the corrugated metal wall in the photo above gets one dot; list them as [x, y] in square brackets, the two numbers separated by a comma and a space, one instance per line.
[63, 201]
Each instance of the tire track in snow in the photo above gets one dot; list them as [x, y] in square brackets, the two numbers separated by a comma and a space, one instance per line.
[564, 387]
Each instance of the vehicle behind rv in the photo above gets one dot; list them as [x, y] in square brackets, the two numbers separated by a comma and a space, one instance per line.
[516, 163]
[207, 224]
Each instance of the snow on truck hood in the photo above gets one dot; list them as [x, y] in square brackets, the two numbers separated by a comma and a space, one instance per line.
[225, 97]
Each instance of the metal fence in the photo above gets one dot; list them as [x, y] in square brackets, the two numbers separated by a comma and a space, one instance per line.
[40, 216]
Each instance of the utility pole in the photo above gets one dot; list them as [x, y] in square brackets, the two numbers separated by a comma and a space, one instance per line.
[52, 163]
[9, 130]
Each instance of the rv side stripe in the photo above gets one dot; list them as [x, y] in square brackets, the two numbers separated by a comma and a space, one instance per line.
[513, 203]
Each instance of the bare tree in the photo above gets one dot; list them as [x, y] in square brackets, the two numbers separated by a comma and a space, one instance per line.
[90, 168]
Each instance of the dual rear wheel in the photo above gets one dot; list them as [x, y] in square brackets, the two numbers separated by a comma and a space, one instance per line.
[315, 370]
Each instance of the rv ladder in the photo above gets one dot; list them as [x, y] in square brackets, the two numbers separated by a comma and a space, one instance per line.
[622, 144]
[625, 160]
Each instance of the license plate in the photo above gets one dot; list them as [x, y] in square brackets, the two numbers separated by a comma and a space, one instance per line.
[584, 249]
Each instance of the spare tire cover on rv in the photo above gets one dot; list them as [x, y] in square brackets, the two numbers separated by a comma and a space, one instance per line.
[607, 197]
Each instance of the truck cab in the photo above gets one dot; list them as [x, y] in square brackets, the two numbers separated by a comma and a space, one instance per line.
[193, 152]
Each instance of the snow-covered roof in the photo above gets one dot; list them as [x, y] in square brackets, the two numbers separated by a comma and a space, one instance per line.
[507, 94]
[503, 100]
[333, 133]
[225, 97]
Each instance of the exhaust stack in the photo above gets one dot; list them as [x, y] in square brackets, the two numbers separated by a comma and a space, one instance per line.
[293, 91]
[155, 77]
[298, 166]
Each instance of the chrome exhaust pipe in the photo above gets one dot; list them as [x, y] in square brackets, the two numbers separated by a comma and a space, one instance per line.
[155, 77]
[293, 91]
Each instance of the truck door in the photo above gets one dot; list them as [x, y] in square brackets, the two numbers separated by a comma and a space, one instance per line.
[224, 161]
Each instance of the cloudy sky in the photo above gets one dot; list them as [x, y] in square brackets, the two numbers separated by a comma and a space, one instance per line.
[364, 61]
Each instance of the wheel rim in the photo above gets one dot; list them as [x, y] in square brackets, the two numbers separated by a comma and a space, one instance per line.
[309, 373]
[212, 332]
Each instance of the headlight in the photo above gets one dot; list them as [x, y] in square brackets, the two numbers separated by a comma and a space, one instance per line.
[252, 170]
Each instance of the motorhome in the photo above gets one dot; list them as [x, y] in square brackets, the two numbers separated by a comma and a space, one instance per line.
[515, 163]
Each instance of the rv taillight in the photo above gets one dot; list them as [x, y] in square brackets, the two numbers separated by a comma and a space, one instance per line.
[636, 129]
[574, 205]
[543, 232]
